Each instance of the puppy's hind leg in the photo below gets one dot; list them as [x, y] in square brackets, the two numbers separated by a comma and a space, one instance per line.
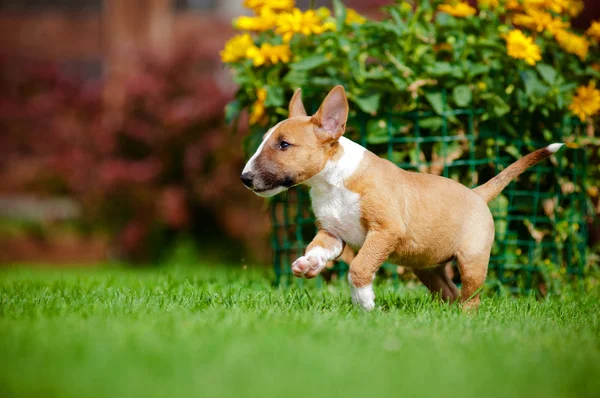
[473, 255]
[437, 281]
[473, 271]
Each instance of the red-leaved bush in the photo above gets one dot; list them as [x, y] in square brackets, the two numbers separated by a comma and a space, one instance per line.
[146, 160]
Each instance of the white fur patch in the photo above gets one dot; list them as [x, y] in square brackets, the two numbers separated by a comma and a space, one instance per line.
[554, 147]
[363, 296]
[270, 192]
[336, 207]
[324, 253]
[316, 258]
[250, 164]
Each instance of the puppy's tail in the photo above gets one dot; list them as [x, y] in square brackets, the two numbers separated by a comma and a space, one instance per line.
[493, 187]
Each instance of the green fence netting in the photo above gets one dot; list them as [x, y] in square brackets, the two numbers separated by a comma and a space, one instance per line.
[539, 218]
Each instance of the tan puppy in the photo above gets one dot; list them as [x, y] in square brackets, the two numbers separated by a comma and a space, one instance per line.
[411, 219]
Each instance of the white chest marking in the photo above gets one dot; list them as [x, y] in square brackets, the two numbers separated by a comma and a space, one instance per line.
[336, 207]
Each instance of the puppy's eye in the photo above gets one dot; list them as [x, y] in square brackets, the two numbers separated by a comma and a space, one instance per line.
[284, 144]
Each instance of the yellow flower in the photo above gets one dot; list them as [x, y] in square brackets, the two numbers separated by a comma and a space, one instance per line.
[481, 86]
[513, 5]
[572, 43]
[352, 17]
[257, 115]
[462, 9]
[323, 13]
[522, 47]
[557, 6]
[488, 3]
[236, 48]
[276, 5]
[594, 30]
[575, 7]
[539, 21]
[586, 101]
[571, 7]
[534, 19]
[306, 23]
[266, 20]
[269, 54]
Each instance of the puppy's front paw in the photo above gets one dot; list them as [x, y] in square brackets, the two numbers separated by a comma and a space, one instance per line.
[308, 266]
[364, 296]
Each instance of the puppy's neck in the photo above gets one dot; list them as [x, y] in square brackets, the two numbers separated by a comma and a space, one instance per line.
[343, 163]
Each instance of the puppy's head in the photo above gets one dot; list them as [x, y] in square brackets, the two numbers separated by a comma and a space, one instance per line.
[297, 148]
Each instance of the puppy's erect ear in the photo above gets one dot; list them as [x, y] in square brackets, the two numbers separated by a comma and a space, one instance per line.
[331, 118]
[296, 106]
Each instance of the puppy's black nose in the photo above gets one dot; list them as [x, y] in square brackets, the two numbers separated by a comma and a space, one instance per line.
[247, 179]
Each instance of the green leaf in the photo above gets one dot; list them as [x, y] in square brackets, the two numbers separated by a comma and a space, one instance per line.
[376, 73]
[232, 111]
[592, 72]
[310, 62]
[499, 107]
[390, 27]
[513, 151]
[274, 96]
[431, 123]
[325, 81]
[462, 95]
[440, 69]
[437, 102]
[399, 83]
[339, 11]
[478, 69]
[395, 14]
[296, 78]
[369, 103]
[499, 207]
[547, 72]
[533, 86]
[566, 88]
[377, 132]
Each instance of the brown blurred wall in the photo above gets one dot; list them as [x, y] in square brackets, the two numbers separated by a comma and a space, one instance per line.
[109, 36]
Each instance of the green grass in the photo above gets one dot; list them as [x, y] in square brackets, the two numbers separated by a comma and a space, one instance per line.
[178, 332]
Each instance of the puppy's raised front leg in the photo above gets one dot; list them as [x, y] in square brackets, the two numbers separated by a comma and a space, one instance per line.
[376, 249]
[324, 247]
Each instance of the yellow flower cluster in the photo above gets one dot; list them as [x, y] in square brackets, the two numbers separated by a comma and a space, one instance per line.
[268, 53]
[572, 43]
[257, 114]
[520, 46]
[539, 20]
[242, 46]
[571, 7]
[458, 9]
[237, 48]
[352, 17]
[594, 30]
[545, 15]
[305, 23]
[283, 18]
[276, 5]
[488, 3]
[586, 101]
[265, 19]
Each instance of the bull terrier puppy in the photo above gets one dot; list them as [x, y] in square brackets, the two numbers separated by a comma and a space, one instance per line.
[420, 221]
